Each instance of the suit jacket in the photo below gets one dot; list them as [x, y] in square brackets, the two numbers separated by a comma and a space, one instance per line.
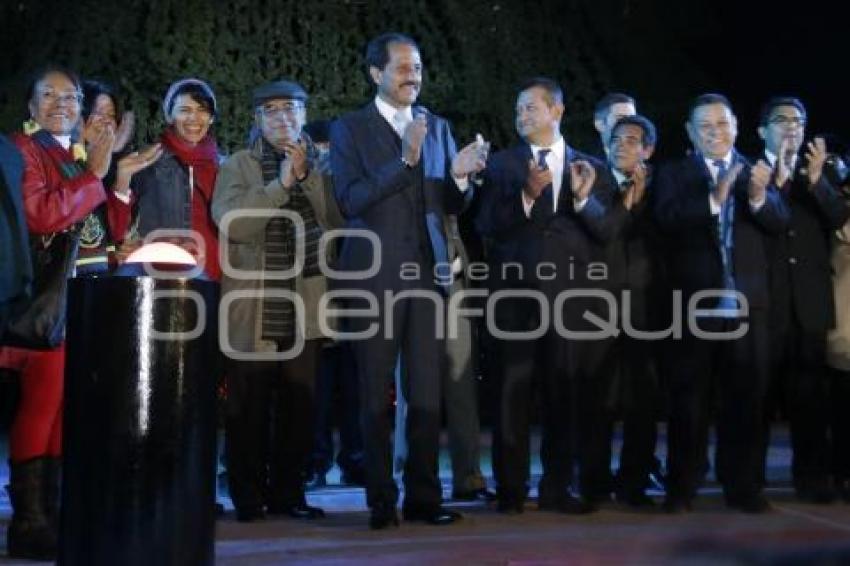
[568, 239]
[16, 275]
[682, 210]
[635, 257]
[403, 207]
[801, 278]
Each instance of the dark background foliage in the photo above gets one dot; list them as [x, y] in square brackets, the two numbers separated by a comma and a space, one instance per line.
[475, 53]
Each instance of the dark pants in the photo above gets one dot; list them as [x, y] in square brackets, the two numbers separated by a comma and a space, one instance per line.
[337, 402]
[414, 335]
[840, 397]
[639, 375]
[269, 428]
[737, 370]
[513, 371]
[799, 372]
[577, 414]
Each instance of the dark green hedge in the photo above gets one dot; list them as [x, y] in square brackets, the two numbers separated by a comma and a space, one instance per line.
[475, 53]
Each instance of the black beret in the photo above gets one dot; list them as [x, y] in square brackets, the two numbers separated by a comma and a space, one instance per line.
[279, 89]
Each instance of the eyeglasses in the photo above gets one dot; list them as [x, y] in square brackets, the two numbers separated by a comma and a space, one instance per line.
[53, 97]
[788, 121]
[289, 109]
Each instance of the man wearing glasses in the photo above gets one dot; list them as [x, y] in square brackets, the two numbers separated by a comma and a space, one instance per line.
[718, 213]
[802, 304]
[282, 172]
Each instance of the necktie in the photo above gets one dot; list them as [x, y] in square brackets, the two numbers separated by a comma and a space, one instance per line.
[727, 216]
[546, 202]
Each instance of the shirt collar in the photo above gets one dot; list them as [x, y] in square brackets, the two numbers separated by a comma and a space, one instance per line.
[388, 111]
[558, 148]
[64, 141]
[727, 159]
[619, 176]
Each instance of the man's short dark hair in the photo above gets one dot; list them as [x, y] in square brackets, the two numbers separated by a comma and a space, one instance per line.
[553, 92]
[707, 99]
[600, 111]
[769, 106]
[649, 136]
[378, 50]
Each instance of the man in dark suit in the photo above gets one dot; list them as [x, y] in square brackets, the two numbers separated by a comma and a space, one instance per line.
[718, 212]
[634, 256]
[802, 308]
[396, 174]
[547, 215]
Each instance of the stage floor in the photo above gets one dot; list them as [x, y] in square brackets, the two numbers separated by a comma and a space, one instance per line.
[793, 533]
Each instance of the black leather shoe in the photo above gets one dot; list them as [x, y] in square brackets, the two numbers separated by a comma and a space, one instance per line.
[436, 516]
[250, 514]
[675, 505]
[754, 503]
[510, 506]
[636, 499]
[316, 480]
[297, 511]
[383, 517]
[819, 492]
[566, 504]
[480, 494]
[353, 477]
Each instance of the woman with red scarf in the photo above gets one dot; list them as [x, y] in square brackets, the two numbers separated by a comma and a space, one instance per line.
[176, 191]
[61, 187]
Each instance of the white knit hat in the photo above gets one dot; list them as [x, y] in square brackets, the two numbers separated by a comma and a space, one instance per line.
[177, 85]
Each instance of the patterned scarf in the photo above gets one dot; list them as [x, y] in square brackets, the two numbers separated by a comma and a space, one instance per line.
[280, 238]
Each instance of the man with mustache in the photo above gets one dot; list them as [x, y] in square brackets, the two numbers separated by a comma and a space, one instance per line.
[396, 175]
[717, 212]
[802, 305]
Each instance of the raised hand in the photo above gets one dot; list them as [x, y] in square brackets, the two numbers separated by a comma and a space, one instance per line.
[99, 150]
[783, 173]
[295, 165]
[816, 157]
[471, 159]
[134, 162]
[124, 131]
[724, 184]
[411, 141]
[537, 180]
[759, 179]
[582, 176]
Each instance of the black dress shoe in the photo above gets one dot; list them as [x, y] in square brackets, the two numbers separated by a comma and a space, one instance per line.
[353, 477]
[435, 516]
[383, 517]
[510, 506]
[675, 505]
[567, 504]
[480, 494]
[250, 514]
[297, 511]
[819, 492]
[637, 499]
[750, 503]
[316, 480]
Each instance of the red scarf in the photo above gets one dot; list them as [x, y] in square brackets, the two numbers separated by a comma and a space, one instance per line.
[203, 158]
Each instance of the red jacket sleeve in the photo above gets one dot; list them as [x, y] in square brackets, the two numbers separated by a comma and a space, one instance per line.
[51, 202]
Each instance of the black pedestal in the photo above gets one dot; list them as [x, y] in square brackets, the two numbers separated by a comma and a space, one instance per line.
[140, 423]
